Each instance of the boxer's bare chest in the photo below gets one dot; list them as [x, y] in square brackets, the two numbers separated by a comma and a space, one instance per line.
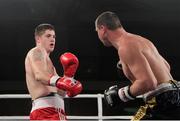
[50, 66]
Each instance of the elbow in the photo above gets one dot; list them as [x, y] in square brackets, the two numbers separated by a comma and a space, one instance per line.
[38, 76]
[41, 77]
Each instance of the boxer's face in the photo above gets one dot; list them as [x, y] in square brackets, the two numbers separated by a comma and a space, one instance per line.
[47, 40]
[103, 36]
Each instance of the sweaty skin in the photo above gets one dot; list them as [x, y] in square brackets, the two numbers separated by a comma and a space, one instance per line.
[141, 62]
[39, 67]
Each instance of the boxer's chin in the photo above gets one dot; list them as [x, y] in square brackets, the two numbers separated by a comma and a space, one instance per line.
[107, 43]
[51, 49]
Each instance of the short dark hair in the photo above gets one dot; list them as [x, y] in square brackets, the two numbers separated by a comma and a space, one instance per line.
[108, 19]
[41, 28]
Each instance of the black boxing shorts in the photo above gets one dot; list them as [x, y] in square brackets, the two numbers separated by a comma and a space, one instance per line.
[162, 103]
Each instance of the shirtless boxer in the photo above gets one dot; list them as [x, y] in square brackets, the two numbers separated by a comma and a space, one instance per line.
[143, 65]
[46, 88]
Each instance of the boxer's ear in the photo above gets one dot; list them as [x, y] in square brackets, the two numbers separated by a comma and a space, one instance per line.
[37, 39]
[103, 29]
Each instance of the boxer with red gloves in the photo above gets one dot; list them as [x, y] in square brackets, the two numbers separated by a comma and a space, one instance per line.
[46, 88]
[47, 101]
[70, 64]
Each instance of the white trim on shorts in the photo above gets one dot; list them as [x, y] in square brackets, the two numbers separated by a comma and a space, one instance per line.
[55, 101]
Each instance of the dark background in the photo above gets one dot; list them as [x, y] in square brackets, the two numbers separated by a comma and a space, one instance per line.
[157, 20]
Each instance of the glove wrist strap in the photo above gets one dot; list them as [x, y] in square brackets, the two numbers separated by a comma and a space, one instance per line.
[125, 95]
[53, 80]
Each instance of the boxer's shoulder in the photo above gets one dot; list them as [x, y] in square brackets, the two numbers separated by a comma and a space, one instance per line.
[37, 50]
[36, 53]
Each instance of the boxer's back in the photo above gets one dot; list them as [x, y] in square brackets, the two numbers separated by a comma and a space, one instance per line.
[157, 63]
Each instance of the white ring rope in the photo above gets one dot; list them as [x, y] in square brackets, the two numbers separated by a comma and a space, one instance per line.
[99, 104]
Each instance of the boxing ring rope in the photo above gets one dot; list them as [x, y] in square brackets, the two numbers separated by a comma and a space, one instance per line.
[99, 97]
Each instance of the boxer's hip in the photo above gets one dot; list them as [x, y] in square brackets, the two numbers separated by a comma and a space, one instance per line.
[165, 98]
[51, 100]
[170, 87]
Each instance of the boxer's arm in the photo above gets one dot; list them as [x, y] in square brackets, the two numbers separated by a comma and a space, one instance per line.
[39, 65]
[60, 91]
[70, 64]
[141, 70]
[166, 63]
[55, 72]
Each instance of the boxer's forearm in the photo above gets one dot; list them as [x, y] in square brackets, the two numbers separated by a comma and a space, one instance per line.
[43, 77]
[140, 87]
[166, 63]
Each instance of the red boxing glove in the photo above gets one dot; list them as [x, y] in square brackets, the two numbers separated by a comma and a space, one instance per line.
[70, 64]
[75, 90]
[72, 86]
[61, 82]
